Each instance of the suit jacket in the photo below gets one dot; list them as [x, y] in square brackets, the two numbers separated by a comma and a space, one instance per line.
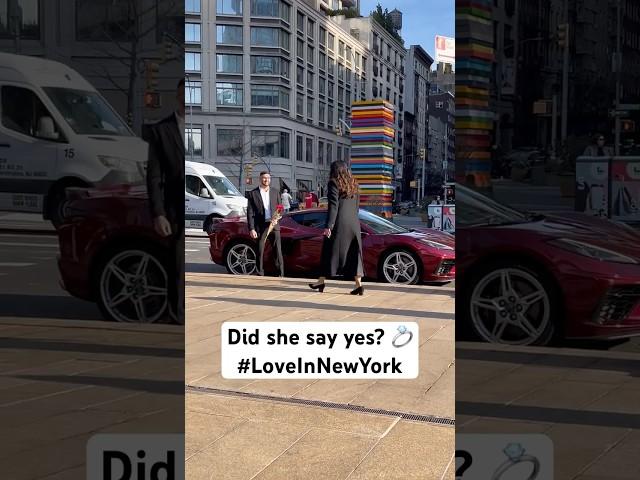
[165, 170]
[255, 208]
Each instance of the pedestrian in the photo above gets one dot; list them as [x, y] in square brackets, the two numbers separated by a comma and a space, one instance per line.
[342, 246]
[598, 148]
[308, 200]
[286, 200]
[165, 185]
[261, 207]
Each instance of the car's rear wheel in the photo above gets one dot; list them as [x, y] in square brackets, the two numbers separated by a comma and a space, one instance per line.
[241, 259]
[513, 305]
[400, 266]
[133, 286]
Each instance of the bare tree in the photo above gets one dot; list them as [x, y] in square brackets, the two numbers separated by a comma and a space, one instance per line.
[128, 38]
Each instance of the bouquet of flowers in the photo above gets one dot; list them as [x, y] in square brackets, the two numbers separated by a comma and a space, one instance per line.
[275, 219]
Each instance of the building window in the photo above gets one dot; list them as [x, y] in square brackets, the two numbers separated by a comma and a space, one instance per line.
[268, 37]
[299, 148]
[322, 86]
[332, 66]
[310, 80]
[300, 23]
[323, 36]
[192, 6]
[229, 7]
[285, 12]
[192, 61]
[330, 90]
[340, 94]
[346, 154]
[357, 60]
[300, 75]
[329, 152]
[348, 73]
[311, 28]
[309, 150]
[300, 105]
[192, 32]
[322, 108]
[349, 56]
[193, 141]
[364, 64]
[230, 142]
[265, 8]
[341, 48]
[322, 61]
[193, 92]
[331, 42]
[228, 35]
[320, 152]
[269, 96]
[330, 118]
[310, 108]
[310, 52]
[388, 94]
[228, 63]
[300, 49]
[269, 66]
[96, 20]
[341, 69]
[229, 94]
[266, 143]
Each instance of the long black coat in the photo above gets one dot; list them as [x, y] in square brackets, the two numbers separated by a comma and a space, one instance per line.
[342, 252]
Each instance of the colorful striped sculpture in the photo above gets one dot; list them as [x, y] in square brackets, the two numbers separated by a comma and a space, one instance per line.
[372, 136]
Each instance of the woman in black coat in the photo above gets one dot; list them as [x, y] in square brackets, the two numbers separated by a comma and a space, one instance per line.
[342, 247]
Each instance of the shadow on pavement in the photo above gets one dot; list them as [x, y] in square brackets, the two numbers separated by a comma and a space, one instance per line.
[173, 387]
[47, 306]
[327, 306]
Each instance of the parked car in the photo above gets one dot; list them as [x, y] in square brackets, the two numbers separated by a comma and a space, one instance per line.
[111, 255]
[527, 278]
[391, 253]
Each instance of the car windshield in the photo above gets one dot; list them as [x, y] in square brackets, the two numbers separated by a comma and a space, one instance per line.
[87, 113]
[477, 209]
[379, 225]
[222, 186]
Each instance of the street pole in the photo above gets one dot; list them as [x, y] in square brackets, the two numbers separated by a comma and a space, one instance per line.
[424, 162]
[618, 76]
[565, 77]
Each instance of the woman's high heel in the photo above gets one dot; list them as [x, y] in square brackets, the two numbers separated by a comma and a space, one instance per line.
[358, 291]
[317, 286]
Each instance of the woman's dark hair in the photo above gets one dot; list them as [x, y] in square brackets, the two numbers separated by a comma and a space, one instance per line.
[341, 175]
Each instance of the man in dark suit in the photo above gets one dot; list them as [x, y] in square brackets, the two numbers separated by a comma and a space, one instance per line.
[261, 208]
[165, 185]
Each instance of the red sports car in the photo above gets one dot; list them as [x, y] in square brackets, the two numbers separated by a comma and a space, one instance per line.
[527, 278]
[391, 253]
[110, 254]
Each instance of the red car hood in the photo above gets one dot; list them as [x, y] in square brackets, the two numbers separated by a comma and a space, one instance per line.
[433, 235]
[585, 228]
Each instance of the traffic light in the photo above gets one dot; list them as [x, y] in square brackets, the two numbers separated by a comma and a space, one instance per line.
[151, 76]
[563, 35]
[167, 50]
[628, 126]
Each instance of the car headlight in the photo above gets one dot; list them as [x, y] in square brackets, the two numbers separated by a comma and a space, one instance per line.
[592, 251]
[119, 163]
[432, 244]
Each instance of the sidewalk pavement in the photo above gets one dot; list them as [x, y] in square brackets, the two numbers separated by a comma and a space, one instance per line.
[62, 381]
[586, 401]
[31, 222]
[275, 429]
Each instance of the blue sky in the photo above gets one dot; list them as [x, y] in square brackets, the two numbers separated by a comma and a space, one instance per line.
[422, 20]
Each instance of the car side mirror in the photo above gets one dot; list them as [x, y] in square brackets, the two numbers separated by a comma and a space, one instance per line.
[46, 129]
[205, 193]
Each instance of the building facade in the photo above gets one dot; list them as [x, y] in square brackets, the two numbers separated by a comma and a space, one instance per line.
[385, 76]
[443, 78]
[270, 85]
[442, 138]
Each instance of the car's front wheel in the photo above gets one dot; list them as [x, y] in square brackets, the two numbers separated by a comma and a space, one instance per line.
[241, 259]
[512, 305]
[400, 266]
[132, 286]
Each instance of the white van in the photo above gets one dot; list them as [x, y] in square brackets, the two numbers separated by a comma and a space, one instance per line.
[209, 194]
[57, 131]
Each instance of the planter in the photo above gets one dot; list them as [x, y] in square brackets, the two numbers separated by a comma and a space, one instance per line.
[568, 184]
